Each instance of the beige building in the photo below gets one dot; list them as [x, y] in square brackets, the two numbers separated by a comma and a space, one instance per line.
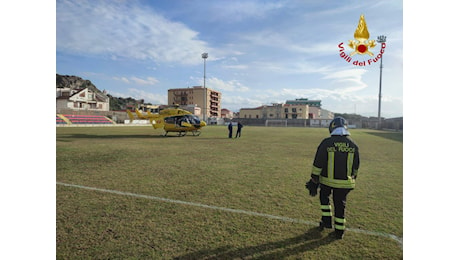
[225, 113]
[293, 109]
[251, 112]
[296, 111]
[319, 113]
[196, 96]
[276, 111]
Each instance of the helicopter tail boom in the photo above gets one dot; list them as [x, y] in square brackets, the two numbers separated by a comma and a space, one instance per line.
[139, 114]
[131, 116]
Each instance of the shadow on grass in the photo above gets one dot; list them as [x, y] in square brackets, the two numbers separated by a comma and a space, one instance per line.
[272, 250]
[395, 136]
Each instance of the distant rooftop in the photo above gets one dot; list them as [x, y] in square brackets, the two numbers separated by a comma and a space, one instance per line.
[304, 101]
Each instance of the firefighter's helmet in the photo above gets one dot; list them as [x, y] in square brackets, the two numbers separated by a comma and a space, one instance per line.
[338, 122]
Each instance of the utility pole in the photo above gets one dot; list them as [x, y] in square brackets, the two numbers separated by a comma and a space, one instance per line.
[204, 56]
[381, 39]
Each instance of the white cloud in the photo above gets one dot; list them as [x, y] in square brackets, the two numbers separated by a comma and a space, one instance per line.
[351, 80]
[346, 74]
[236, 67]
[289, 67]
[235, 103]
[234, 11]
[123, 79]
[232, 85]
[119, 29]
[290, 42]
[137, 80]
[221, 85]
[141, 94]
[148, 81]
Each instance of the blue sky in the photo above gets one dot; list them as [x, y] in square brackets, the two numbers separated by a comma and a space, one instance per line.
[260, 52]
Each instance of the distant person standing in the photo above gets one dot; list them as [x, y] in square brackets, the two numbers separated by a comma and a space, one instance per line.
[238, 131]
[230, 129]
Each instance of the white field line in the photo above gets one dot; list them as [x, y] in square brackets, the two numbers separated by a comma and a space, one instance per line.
[239, 211]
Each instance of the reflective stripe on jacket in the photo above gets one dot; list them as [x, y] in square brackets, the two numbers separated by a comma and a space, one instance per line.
[336, 162]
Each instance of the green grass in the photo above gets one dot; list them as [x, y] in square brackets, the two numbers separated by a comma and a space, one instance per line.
[264, 171]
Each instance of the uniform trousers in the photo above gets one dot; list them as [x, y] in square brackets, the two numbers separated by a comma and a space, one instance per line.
[339, 196]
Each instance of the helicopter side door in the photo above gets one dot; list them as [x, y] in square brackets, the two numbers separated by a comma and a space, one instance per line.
[177, 121]
[171, 121]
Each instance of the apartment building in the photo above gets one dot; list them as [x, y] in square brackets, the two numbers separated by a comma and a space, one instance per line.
[205, 98]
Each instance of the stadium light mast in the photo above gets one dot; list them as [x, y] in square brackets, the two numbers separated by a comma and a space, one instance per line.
[204, 56]
[380, 39]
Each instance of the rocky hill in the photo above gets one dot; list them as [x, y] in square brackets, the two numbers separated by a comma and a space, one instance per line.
[74, 82]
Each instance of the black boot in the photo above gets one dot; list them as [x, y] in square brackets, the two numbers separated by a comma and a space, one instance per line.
[324, 224]
[339, 234]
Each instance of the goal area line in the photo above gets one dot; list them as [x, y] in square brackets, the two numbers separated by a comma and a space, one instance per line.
[399, 240]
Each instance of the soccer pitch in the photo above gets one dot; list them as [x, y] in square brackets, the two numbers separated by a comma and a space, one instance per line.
[128, 192]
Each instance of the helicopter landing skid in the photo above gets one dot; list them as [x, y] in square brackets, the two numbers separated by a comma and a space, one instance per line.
[184, 133]
[180, 134]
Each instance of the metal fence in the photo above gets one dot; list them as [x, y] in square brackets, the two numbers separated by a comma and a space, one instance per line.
[394, 124]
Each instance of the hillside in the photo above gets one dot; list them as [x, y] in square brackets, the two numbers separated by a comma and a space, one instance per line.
[74, 82]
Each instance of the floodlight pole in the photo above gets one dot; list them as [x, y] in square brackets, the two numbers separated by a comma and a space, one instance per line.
[204, 56]
[380, 39]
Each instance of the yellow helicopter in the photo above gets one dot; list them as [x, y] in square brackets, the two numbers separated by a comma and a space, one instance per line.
[172, 120]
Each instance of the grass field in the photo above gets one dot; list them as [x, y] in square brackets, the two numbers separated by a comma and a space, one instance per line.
[145, 186]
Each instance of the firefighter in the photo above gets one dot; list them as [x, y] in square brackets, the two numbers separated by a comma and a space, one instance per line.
[335, 169]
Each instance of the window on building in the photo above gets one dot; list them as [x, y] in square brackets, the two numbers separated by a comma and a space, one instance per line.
[286, 110]
[294, 109]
